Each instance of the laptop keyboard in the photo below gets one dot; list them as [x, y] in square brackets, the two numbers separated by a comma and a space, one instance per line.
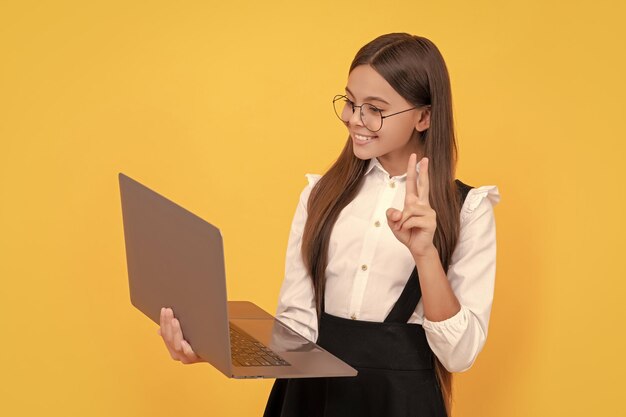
[246, 351]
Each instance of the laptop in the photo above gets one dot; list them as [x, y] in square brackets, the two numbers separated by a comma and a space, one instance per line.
[176, 259]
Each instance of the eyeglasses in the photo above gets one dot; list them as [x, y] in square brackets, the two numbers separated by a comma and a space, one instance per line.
[371, 116]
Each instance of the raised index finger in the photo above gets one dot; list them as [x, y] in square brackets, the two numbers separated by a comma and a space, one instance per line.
[422, 182]
[411, 177]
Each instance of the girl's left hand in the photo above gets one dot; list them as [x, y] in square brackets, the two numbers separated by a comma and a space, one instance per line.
[415, 225]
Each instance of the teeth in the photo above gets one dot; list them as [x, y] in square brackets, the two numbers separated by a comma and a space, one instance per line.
[363, 138]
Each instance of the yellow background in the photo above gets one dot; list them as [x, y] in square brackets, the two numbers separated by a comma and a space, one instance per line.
[223, 107]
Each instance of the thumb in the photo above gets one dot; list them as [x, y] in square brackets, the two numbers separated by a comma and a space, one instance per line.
[393, 214]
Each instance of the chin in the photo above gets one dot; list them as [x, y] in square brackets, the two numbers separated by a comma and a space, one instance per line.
[362, 155]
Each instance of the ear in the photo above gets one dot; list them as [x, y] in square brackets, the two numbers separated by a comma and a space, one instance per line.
[424, 120]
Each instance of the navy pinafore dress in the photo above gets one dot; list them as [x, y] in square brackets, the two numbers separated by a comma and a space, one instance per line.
[395, 363]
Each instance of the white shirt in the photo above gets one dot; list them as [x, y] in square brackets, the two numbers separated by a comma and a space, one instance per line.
[368, 268]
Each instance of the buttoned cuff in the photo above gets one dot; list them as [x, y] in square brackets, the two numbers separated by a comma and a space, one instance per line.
[450, 329]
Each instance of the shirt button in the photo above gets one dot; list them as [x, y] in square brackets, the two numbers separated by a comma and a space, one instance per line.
[353, 316]
[377, 223]
[364, 267]
[392, 184]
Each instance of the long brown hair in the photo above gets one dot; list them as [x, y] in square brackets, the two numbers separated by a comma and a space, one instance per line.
[414, 67]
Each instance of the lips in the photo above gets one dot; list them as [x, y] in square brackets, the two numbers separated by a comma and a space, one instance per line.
[363, 138]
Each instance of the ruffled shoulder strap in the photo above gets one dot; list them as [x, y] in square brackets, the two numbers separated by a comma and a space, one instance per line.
[312, 178]
[476, 195]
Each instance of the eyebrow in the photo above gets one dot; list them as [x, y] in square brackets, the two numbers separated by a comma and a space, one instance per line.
[370, 98]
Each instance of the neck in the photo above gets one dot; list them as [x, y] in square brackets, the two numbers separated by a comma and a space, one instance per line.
[395, 164]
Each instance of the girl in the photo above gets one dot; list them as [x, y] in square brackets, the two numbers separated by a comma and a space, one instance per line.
[390, 262]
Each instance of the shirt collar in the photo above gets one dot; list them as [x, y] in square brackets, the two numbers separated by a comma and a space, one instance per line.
[375, 164]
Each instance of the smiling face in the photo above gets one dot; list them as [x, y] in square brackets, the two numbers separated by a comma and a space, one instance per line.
[399, 135]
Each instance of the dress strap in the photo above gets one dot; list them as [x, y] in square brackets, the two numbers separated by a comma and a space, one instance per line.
[406, 304]
[412, 292]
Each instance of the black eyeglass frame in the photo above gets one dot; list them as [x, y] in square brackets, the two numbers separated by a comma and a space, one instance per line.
[382, 118]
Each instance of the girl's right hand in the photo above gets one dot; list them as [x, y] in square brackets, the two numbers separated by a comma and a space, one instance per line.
[172, 335]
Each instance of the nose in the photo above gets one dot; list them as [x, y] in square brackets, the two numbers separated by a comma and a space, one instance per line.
[355, 118]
